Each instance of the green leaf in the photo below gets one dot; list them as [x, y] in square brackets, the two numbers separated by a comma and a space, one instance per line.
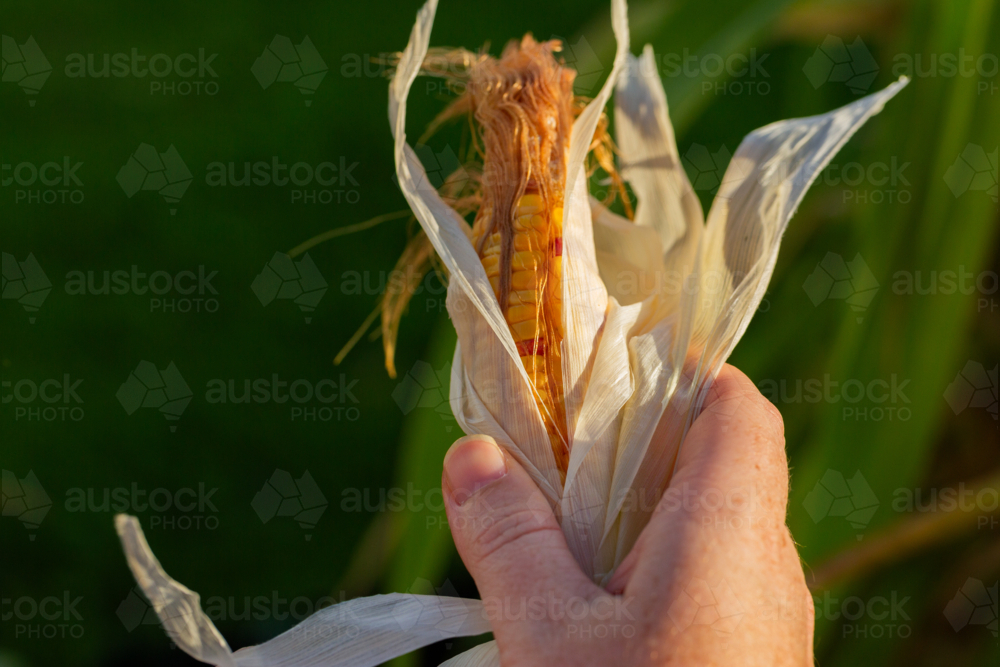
[416, 509]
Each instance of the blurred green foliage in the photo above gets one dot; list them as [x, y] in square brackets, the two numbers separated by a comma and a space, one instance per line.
[396, 435]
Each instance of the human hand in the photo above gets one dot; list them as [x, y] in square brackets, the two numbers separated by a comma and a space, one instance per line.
[714, 578]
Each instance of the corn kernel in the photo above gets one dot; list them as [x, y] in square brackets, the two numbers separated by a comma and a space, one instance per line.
[522, 242]
[517, 314]
[528, 260]
[529, 204]
[524, 296]
[523, 280]
[524, 330]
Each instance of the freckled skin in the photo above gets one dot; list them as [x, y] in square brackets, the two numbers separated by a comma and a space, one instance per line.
[712, 581]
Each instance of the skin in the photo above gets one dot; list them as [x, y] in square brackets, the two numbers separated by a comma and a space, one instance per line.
[707, 583]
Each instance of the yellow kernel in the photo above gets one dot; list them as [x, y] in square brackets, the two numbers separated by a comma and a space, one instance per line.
[556, 266]
[555, 308]
[523, 297]
[529, 204]
[520, 314]
[526, 259]
[557, 215]
[524, 330]
[523, 242]
[492, 264]
[533, 363]
[523, 280]
[522, 223]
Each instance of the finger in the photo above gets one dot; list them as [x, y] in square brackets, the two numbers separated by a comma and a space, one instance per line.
[737, 440]
[731, 473]
[507, 535]
[718, 537]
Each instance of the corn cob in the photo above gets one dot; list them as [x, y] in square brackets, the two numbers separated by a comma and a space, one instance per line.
[524, 105]
[534, 306]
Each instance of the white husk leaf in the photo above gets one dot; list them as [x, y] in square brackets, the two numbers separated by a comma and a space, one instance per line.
[360, 633]
[652, 310]
[483, 655]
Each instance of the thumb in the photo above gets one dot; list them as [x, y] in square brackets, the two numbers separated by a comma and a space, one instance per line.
[504, 528]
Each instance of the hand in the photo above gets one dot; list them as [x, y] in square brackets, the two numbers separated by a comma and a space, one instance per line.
[714, 578]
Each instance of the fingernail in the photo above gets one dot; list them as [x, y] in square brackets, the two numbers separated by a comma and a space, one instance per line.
[472, 462]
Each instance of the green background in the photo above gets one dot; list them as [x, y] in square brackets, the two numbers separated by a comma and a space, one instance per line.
[227, 551]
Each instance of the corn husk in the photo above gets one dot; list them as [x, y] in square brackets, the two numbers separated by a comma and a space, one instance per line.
[652, 310]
